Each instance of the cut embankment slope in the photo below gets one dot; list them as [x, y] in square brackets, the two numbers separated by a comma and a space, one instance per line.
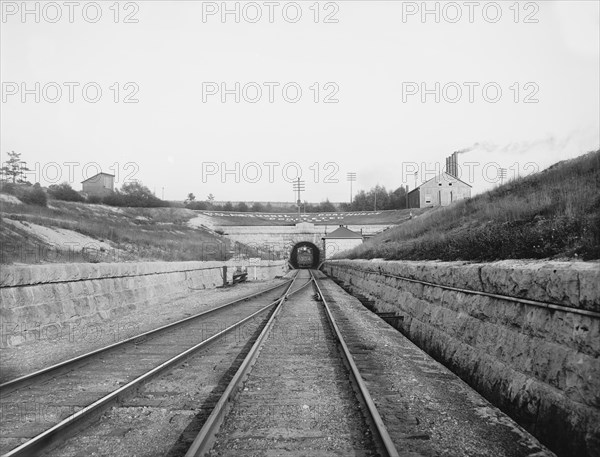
[79, 232]
[551, 214]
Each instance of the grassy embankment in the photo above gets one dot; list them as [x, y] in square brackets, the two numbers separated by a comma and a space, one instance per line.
[130, 234]
[551, 214]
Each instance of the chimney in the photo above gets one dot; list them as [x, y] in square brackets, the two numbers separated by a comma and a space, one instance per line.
[455, 164]
[452, 165]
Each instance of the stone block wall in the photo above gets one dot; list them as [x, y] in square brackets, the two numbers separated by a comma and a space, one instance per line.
[540, 364]
[38, 295]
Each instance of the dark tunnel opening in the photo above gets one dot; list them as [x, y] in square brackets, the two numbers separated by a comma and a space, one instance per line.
[305, 255]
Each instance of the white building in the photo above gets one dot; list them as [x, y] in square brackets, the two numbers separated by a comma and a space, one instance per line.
[442, 190]
[340, 240]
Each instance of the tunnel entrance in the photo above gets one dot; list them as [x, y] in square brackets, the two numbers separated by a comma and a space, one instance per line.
[305, 255]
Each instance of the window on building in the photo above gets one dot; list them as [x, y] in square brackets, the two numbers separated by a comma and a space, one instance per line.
[449, 184]
[439, 184]
[427, 198]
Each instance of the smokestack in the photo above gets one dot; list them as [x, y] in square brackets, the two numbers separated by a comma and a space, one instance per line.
[452, 164]
[455, 164]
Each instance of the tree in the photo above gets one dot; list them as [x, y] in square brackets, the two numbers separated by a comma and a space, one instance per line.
[210, 198]
[257, 208]
[14, 168]
[378, 198]
[326, 207]
[190, 198]
[361, 202]
[398, 198]
[228, 206]
[242, 207]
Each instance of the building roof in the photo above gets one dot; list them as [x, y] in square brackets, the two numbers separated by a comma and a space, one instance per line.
[343, 233]
[435, 177]
[96, 175]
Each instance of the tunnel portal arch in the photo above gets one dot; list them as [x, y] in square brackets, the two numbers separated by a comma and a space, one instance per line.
[316, 255]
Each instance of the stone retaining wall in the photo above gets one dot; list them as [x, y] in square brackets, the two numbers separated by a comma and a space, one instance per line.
[538, 364]
[38, 295]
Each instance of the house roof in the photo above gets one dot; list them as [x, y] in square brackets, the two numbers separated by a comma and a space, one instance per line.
[96, 175]
[343, 232]
[435, 177]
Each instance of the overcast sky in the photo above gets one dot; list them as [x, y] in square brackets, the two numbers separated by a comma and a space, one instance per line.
[361, 68]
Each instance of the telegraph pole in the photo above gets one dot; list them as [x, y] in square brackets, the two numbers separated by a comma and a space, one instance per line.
[351, 177]
[299, 187]
[502, 175]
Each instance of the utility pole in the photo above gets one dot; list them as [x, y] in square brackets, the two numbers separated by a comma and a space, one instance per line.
[351, 177]
[502, 175]
[299, 187]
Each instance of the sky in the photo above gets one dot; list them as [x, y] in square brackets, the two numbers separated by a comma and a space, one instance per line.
[237, 99]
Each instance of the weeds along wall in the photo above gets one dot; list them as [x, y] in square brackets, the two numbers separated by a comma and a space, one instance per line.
[541, 365]
[57, 293]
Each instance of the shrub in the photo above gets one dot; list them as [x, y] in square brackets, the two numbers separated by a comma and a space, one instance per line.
[9, 188]
[134, 194]
[64, 192]
[94, 199]
[34, 196]
[197, 205]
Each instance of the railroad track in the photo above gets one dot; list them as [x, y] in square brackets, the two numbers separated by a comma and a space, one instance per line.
[81, 389]
[298, 392]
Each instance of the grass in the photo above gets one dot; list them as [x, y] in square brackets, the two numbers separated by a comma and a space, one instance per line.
[134, 233]
[552, 214]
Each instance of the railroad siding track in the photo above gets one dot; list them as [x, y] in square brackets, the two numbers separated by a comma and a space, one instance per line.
[32, 406]
[165, 414]
[298, 399]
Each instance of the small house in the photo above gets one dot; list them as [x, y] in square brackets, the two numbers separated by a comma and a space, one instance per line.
[340, 240]
[99, 185]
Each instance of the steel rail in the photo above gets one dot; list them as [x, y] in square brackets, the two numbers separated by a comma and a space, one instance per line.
[13, 383]
[41, 441]
[380, 435]
[524, 301]
[205, 438]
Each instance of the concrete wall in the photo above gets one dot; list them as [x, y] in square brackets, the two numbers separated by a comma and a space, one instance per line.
[335, 246]
[540, 365]
[59, 293]
[281, 239]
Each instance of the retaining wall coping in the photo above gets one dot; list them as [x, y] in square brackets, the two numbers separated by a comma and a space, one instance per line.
[24, 275]
[573, 284]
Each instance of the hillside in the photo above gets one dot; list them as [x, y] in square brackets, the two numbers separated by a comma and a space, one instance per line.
[79, 232]
[551, 214]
